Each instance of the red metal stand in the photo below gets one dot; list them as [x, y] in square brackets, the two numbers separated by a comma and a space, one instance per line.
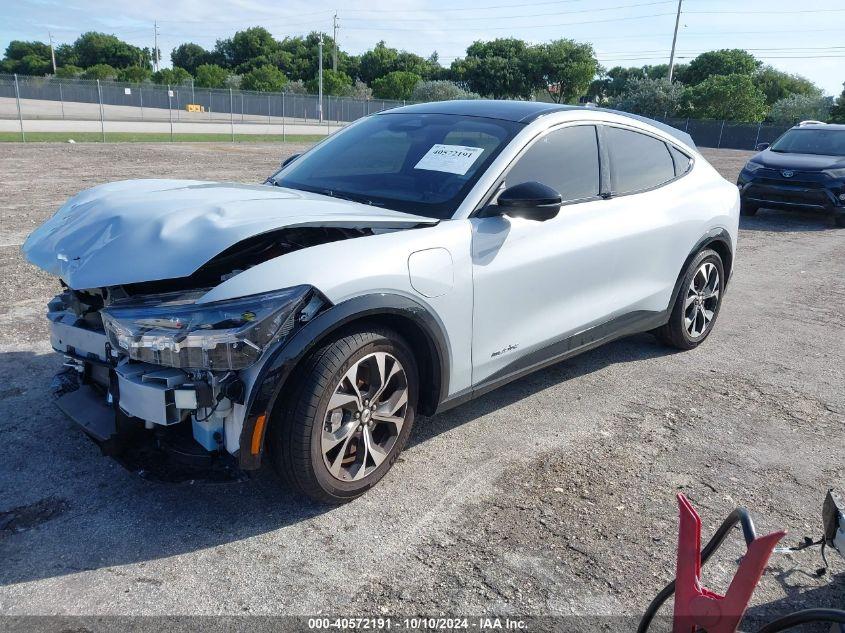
[697, 606]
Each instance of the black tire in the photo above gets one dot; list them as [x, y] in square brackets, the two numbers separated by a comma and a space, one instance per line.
[675, 332]
[296, 426]
[747, 209]
[839, 219]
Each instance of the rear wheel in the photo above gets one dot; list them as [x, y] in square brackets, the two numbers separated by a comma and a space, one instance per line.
[346, 420]
[748, 209]
[697, 304]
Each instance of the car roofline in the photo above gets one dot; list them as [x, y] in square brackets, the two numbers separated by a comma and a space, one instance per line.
[526, 112]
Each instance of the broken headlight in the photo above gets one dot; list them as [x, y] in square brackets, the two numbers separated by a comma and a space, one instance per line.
[221, 335]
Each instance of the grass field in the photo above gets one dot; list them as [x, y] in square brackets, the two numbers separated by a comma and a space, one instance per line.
[153, 137]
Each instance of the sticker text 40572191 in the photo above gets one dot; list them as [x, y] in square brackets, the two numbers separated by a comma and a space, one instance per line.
[454, 159]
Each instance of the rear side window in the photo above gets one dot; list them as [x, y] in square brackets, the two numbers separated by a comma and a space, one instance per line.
[637, 161]
[567, 160]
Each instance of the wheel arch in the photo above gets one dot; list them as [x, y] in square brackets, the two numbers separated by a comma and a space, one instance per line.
[417, 324]
[718, 240]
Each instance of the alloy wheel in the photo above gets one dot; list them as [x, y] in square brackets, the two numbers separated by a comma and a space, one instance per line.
[702, 300]
[364, 416]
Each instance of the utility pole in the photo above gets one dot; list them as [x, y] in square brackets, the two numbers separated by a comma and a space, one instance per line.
[674, 40]
[155, 46]
[52, 52]
[320, 81]
[334, 38]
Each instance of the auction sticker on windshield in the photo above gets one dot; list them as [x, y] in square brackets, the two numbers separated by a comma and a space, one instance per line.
[454, 159]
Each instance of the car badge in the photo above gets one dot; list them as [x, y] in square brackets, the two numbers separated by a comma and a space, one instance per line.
[788, 173]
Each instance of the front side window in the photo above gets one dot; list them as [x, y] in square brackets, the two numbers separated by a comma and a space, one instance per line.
[423, 164]
[567, 160]
[637, 161]
[815, 141]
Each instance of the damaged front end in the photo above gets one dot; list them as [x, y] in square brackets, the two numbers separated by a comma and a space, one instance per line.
[160, 381]
[152, 368]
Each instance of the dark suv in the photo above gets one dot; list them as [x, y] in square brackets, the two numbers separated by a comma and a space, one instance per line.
[803, 169]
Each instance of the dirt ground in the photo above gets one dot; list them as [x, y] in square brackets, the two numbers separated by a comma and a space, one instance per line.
[554, 495]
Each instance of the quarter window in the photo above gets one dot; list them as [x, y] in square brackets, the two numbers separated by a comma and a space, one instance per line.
[637, 161]
[682, 161]
[567, 160]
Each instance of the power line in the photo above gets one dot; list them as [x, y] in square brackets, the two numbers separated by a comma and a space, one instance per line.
[530, 15]
[522, 26]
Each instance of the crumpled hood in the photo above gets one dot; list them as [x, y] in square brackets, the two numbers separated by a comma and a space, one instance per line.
[147, 230]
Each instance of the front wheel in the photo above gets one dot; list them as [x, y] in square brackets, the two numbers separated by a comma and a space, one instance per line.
[697, 304]
[839, 219]
[346, 420]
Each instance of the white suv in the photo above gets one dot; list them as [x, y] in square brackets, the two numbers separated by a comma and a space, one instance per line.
[418, 258]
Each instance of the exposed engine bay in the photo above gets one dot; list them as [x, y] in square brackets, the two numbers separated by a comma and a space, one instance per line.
[179, 408]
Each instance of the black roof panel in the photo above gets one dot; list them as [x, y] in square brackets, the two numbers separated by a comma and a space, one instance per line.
[519, 111]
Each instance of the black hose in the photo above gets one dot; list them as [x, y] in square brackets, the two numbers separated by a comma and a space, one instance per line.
[803, 617]
[739, 515]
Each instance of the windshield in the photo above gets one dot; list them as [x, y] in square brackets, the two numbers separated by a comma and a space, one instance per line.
[815, 141]
[423, 164]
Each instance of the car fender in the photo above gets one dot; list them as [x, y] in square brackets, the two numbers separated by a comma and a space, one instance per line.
[279, 363]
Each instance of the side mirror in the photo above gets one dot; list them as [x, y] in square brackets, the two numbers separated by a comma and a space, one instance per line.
[531, 200]
[290, 159]
[761, 146]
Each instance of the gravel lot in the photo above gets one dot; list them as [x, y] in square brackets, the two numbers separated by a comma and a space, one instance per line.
[553, 495]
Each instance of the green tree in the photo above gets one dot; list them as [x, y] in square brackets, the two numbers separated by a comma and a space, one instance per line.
[98, 48]
[245, 46]
[564, 68]
[190, 56]
[335, 83]
[27, 58]
[172, 77]
[18, 49]
[728, 61]
[651, 97]
[777, 85]
[134, 74]
[377, 62]
[101, 72]
[264, 79]
[837, 112]
[34, 65]
[498, 68]
[731, 97]
[210, 76]
[382, 60]
[69, 71]
[398, 84]
[797, 107]
[440, 90]
[66, 55]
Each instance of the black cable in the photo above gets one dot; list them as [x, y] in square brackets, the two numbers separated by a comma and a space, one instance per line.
[739, 515]
[803, 617]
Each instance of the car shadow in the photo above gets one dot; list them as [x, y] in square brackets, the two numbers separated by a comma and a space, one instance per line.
[64, 509]
[775, 221]
[831, 594]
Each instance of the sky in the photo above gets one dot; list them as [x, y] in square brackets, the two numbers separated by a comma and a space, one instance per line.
[807, 38]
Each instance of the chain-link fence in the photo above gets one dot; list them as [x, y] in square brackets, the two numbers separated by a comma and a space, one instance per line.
[728, 134]
[45, 98]
[229, 111]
